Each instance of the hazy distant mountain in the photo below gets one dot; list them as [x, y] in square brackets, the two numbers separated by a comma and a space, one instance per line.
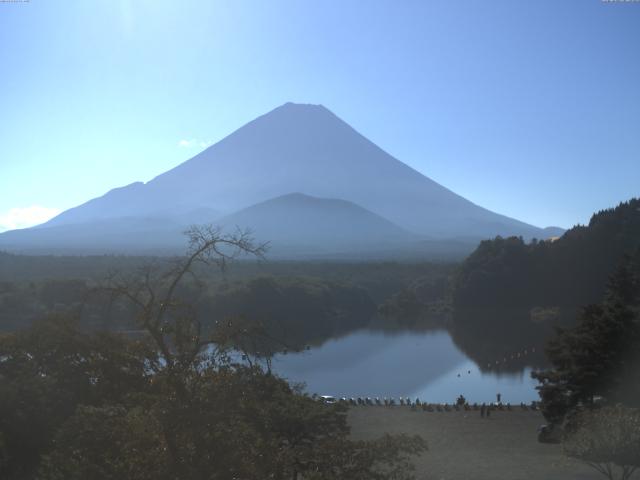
[136, 235]
[294, 148]
[318, 225]
[551, 232]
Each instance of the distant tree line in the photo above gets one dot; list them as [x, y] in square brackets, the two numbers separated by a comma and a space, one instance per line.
[300, 302]
[380, 279]
[423, 304]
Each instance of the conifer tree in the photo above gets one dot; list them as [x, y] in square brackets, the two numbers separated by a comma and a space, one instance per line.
[599, 357]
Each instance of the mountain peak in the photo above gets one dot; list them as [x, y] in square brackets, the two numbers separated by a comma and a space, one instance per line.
[300, 111]
[303, 106]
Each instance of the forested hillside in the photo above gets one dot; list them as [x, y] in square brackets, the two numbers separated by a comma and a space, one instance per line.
[569, 271]
[511, 294]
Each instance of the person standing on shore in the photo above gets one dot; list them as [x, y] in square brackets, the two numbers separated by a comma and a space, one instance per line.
[498, 396]
[482, 408]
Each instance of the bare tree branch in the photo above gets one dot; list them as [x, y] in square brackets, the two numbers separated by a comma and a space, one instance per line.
[171, 323]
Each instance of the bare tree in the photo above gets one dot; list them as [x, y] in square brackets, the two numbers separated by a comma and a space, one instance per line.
[172, 323]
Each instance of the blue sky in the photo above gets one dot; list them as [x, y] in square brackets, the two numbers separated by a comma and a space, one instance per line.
[528, 108]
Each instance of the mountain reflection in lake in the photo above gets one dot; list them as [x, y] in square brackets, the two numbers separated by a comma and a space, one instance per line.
[426, 365]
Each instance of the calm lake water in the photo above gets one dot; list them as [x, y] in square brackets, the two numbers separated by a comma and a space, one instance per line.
[426, 365]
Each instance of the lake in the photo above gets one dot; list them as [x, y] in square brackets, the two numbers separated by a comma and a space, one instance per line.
[427, 365]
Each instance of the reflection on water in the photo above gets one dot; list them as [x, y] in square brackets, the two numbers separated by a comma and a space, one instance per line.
[409, 364]
[501, 338]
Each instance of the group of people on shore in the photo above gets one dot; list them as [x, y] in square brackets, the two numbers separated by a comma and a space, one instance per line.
[461, 404]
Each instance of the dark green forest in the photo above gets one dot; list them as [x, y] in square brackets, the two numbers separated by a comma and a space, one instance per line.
[298, 303]
[563, 273]
[597, 361]
[509, 295]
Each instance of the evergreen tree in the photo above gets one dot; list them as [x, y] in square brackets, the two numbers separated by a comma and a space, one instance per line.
[599, 357]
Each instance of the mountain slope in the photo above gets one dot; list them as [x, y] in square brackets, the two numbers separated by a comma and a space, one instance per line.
[302, 148]
[136, 235]
[318, 224]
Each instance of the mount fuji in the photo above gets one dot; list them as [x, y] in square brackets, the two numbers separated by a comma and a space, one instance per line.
[296, 167]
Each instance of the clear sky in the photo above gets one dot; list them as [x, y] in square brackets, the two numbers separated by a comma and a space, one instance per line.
[528, 108]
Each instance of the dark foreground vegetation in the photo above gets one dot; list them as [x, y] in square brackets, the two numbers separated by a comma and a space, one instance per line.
[171, 404]
[78, 405]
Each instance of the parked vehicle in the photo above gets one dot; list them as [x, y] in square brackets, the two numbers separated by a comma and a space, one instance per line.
[328, 399]
[549, 434]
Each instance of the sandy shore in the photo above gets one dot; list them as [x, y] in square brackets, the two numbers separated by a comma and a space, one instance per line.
[464, 446]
